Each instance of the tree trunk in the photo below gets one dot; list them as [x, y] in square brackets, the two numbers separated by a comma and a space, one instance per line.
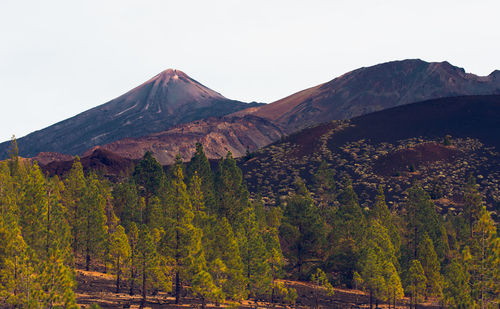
[118, 275]
[177, 288]
[87, 250]
[132, 271]
[132, 280]
[272, 295]
[87, 260]
[371, 299]
[144, 277]
[177, 259]
[48, 224]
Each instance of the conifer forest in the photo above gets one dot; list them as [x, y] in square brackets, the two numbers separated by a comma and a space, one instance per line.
[191, 233]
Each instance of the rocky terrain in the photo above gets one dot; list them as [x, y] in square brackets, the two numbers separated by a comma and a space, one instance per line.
[168, 99]
[375, 88]
[218, 136]
[394, 148]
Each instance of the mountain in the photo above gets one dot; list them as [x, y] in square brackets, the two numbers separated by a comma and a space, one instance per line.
[393, 148]
[218, 136]
[372, 89]
[104, 162]
[168, 99]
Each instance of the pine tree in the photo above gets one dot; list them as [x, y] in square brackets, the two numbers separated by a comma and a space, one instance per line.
[456, 288]
[231, 190]
[13, 257]
[54, 283]
[75, 188]
[376, 264]
[127, 204]
[381, 212]
[254, 255]
[324, 185]
[394, 286]
[179, 242]
[35, 273]
[416, 282]
[429, 261]
[200, 165]
[348, 224]
[57, 234]
[93, 221]
[302, 229]
[9, 196]
[201, 281]
[485, 260]
[421, 218]
[351, 220]
[120, 253]
[32, 208]
[276, 263]
[147, 260]
[472, 203]
[197, 201]
[13, 157]
[319, 279]
[133, 239]
[223, 259]
[149, 177]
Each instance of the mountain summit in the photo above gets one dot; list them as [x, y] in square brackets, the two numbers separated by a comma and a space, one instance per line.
[167, 99]
[375, 88]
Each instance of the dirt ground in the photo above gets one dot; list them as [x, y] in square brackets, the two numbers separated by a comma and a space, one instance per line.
[98, 287]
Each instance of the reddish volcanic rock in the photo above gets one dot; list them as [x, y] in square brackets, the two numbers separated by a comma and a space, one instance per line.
[44, 158]
[218, 136]
[100, 160]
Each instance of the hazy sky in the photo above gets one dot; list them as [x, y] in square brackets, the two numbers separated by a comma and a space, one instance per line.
[59, 58]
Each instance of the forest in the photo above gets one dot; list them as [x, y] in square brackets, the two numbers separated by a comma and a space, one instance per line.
[190, 229]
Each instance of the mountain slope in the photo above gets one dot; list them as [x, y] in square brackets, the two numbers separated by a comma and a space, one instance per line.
[218, 136]
[375, 88]
[393, 147]
[165, 100]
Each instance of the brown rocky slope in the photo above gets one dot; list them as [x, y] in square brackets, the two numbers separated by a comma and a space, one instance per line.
[375, 88]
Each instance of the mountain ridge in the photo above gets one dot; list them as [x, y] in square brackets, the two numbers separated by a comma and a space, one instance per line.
[373, 88]
[165, 100]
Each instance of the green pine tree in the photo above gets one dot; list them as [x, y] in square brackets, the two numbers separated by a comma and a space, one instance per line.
[485, 261]
[93, 221]
[416, 283]
[381, 212]
[133, 240]
[179, 241]
[303, 230]
[74, 191]
[472, 203]
[200, 165]
[456, 287]
[429, 261]
[146, 259]
[231, 190]
[13, 157]
[149, 177]
[254, 255]
[320, 280]
[421, 218]
[120, 253]
[223, 259]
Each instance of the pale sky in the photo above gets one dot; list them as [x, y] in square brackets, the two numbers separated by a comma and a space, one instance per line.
[59, 58]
